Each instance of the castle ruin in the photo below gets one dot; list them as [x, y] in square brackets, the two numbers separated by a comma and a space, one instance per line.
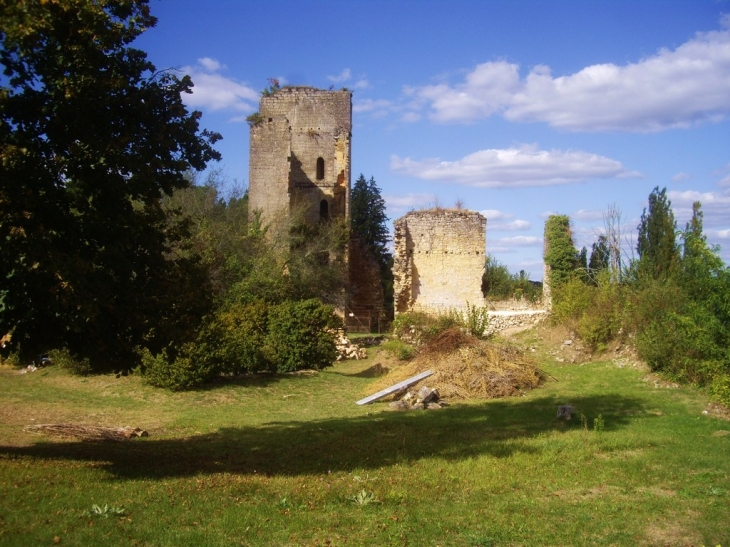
[439, 260]
[300, 155]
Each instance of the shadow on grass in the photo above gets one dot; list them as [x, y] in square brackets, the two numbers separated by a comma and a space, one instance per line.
[498, 429]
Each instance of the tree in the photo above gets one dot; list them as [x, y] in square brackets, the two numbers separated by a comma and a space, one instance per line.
[91, 138]
[600, 255]
[657, 246]
[369, 226]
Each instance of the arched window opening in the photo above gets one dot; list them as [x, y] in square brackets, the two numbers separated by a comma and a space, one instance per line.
[320, 168]
[324, 210]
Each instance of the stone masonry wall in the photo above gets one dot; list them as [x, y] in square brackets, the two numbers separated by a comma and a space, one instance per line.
[299, 126]
[439, 260]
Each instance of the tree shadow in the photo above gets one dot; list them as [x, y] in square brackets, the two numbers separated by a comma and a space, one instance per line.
[497, 429]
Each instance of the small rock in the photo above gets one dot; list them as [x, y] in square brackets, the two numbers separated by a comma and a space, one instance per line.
[399, 405]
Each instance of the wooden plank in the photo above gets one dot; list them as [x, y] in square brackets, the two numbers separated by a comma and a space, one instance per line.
[392, 389]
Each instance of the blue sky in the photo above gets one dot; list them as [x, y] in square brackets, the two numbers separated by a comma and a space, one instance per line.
[517, 109]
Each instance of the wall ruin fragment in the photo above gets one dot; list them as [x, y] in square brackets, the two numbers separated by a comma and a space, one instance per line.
[439, 260]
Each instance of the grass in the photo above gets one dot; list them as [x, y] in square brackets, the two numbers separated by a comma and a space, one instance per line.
[292, 461]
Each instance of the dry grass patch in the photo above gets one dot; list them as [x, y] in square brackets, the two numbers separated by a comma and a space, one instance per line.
[468, 368]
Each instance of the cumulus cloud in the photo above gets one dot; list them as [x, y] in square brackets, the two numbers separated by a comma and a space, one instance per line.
[681, 176]
[514, 167]
[343, 76]
[715, 206]
[213, 91]
[500, 221]
[374, 106]
[582, 214]
[673, 88]
[519, 241]
[408, 201]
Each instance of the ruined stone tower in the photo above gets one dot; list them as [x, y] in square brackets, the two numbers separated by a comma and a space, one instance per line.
[300, 155]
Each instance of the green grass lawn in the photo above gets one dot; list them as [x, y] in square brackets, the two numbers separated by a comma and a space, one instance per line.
[292, 460]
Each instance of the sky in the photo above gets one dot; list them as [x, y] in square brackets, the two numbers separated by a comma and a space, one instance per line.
[517, 109]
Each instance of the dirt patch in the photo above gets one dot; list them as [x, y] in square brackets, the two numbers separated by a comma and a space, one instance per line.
[671, 533]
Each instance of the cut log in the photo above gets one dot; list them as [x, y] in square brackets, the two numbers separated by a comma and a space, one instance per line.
[392, 389]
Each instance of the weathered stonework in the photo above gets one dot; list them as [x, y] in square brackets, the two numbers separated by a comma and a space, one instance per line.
[439, 260]
[300, 155]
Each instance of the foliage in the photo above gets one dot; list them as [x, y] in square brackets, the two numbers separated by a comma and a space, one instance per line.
[273, 87]
[600, 256]
[91, 138]
[106, 511]
[399, 349]
[476, 320]
[300, 336]
[254, 119]
[560, 253]
[175, 370]
[369, 226]
[64, 359]
[657, 248]
[499, 284]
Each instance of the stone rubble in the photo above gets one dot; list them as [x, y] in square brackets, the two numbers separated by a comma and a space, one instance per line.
[346, 349]
[423, 399]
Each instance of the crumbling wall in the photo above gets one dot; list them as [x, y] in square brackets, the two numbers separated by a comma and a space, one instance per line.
[439, 260]
[299, 163]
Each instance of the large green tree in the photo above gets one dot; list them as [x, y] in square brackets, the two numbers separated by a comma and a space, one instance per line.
[657, 244]
[91, 138]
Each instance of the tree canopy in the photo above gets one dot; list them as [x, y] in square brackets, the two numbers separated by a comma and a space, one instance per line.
[657, 245]
[369, 226]
[91, 138]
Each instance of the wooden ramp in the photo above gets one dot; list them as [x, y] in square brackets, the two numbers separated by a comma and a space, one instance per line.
[392, 389]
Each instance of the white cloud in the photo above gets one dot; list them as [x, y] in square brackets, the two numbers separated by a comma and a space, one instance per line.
[361, 84]
[519, 241]
[681, 177]
[582, 214]
[514, 167]
[371, 105]
[214, 91]
[500, 221]
[715, 206]
[408, 201]
[343, 76]
[211, 65]
[672, 88]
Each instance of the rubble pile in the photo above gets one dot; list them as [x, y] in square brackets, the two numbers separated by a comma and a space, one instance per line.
[423, 399]
[346, 349]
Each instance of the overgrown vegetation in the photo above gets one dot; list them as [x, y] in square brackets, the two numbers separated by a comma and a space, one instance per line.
[673, 300]
[499, 284]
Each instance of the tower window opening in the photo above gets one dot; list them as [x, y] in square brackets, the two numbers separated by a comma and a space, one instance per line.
[320, 168]
[324, 210]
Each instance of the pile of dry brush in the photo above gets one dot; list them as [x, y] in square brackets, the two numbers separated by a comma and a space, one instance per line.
[468, 368]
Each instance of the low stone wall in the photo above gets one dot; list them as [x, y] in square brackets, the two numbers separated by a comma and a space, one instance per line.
[502, 320]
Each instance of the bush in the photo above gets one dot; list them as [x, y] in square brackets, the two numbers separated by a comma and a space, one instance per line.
[64, 359]
[476, 320]
[571, 300]
[300, 336]
[720, 389]
[400, 350]
[175, 372]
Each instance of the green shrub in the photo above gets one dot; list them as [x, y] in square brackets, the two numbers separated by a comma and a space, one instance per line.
[300, 336]
[476, 319]
[400, 350]
[720, 388]
[64, 359]
[237, 336]
[175, 373]
[603, 320]
[571, 300]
